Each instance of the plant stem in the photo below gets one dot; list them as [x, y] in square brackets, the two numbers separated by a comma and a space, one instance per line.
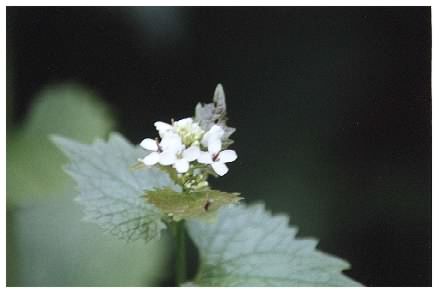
[179, 234]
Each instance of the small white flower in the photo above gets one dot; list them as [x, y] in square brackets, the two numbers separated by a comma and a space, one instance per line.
[185, 157]
[171, 142]
[215, 133]
[175, 137]
[165, 152]
[189, 131]
[217, 158]
[170, 151]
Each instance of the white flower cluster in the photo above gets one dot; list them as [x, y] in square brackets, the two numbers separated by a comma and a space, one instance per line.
[184, 143]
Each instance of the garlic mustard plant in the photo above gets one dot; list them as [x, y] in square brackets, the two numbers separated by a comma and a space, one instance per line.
[191, 150]
[239, 244]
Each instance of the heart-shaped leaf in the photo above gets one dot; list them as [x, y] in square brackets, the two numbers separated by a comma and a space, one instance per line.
[247, 246]
[110, 191]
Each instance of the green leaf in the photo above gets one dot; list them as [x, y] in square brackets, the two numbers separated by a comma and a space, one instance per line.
[33, 162]
[110, 191]
[180, 205]
[247, 246]
[69, 109]
[48, 245]
[215, 113]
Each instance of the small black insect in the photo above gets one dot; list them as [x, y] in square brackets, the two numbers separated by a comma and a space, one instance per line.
[207, 204]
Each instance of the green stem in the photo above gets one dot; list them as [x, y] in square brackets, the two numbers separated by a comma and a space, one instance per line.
[179, 234]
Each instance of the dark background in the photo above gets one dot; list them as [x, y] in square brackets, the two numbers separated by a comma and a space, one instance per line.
[332, 107]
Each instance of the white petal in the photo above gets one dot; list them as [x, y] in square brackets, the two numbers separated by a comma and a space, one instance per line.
[151, 159]
[171, 142]
[167, 158]
[205, 139]
[216, 132]
[219, 168]
[227, 156]
[162, 127]
[214, 146]
[191, 153]
[184, 122]
[181, 165]
[205, 158]
[149, 144]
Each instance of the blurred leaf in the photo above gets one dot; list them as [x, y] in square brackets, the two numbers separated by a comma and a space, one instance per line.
[47, 243]
[189, 205]
[53, 247]
[247, 246]
[111, 193]
[33, 163]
